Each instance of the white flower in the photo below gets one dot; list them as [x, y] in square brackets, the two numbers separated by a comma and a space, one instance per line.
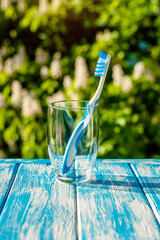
[44, 72]
[2, 101]
[30, 106]
[20, 57]
[5, 4]
[41, 56]
[43, 6]
[3, 51]
[120, 80]
[149, 76]
[74, 96]
[59, 96]
[99, 36]
[106, 36]
[56, 4]
[9, 66]
[139, 70]
[56, 66]
[126, 84]
[21, 5]
[16, 94]
[81, 73]
[67, 81]
[117, 74]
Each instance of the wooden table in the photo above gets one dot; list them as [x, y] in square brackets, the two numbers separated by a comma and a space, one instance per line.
[121, 201]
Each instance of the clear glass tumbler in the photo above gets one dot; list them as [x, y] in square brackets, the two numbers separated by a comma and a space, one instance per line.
[63, 117]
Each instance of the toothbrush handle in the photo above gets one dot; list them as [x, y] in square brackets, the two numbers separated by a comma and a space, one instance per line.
[71, 149]
[75, 138]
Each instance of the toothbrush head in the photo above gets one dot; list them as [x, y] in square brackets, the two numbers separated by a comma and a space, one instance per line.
[101, 64]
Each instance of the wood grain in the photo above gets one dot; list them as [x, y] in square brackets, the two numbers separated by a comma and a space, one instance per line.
[39, 207]
[47, 161]
[132, 161]
[24, 161]
[112, 206]
[6, 180]
[149, 178]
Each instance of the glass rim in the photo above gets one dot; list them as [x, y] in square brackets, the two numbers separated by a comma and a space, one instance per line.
[71, 108]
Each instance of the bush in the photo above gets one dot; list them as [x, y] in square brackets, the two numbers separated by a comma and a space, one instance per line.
[46, 56]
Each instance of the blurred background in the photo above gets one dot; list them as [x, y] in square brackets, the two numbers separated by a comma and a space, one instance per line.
[48, 52]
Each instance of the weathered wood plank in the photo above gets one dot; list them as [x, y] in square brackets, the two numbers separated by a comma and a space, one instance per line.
[112, 206]
[7, 174]
[149, 178]
[47, 161]
[39, 207]
[25, 161]
[132, 161]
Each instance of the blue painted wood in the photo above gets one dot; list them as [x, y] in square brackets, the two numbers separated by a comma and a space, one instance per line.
[149, 178]
[39, 207]
[7, 174]
[112, 206]
[25, 161]
[47, 161]
[132, 161]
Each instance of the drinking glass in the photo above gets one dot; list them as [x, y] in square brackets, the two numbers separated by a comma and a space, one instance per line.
[63, 117]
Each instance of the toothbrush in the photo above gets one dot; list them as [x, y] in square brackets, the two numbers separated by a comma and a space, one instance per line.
[71, 149]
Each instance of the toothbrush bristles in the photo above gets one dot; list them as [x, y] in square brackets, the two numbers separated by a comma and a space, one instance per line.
[101, 64]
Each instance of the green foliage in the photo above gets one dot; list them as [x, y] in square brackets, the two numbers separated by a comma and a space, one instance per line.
[129, 104]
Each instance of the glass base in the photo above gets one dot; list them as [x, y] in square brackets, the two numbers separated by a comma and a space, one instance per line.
[77, 181]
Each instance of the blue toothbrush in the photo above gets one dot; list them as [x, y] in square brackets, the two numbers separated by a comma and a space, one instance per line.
[71, 149]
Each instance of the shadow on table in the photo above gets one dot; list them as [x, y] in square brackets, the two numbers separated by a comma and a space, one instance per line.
[123, 183]
[150, 184]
